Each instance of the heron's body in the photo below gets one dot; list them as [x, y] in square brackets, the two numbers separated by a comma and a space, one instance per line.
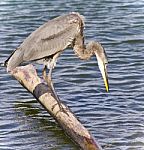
[50, 38]
[46, 43]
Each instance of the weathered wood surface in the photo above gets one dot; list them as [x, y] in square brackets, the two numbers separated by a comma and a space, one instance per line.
[27, 76]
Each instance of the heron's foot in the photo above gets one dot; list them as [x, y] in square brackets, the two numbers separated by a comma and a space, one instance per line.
[61, 108]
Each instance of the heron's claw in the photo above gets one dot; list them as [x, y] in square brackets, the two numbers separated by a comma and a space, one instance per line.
[61, 108]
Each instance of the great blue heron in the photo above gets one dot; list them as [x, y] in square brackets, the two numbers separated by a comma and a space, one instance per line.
[46, 43]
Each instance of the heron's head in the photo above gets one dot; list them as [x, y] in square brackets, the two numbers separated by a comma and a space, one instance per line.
[99, 51]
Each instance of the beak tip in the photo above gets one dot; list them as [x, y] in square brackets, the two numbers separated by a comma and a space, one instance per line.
[107, 89]
[106, 85]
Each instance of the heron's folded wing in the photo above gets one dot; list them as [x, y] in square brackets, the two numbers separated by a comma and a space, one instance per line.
[53, 36]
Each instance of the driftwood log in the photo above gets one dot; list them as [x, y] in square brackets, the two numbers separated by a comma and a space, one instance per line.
[27, 76]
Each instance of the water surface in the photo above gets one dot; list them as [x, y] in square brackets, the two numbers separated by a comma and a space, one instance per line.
[116, 119]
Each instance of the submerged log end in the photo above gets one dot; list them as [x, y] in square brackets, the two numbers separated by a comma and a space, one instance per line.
[27, 76]
[91, 144]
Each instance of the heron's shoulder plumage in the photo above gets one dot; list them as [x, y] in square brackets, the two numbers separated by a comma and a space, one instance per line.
[55, 35]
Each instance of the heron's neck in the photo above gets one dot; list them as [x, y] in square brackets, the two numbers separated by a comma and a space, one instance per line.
[81, 50]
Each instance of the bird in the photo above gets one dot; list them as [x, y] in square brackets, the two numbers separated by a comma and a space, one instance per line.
[46, 43]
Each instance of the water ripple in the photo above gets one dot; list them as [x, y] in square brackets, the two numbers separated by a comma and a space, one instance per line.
[114, 118]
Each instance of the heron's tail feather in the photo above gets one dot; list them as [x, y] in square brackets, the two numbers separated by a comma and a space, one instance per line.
[14, 60]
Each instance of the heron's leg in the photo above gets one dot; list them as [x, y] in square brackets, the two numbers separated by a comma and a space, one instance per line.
[50, 83]
[48, 79]
[44, 72]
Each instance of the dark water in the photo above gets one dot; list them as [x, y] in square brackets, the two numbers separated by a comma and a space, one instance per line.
[116, 119]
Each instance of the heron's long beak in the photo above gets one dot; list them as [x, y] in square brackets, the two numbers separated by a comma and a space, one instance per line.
[103, 70]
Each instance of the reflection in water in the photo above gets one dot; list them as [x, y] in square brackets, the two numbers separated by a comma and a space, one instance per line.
[29, 113]
[114, 118]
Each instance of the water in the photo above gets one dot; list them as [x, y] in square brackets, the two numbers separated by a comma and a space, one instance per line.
[116, 119]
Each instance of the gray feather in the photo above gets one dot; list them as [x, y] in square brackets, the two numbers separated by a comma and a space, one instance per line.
[48, 39]
[51, 37]
[15, 59]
